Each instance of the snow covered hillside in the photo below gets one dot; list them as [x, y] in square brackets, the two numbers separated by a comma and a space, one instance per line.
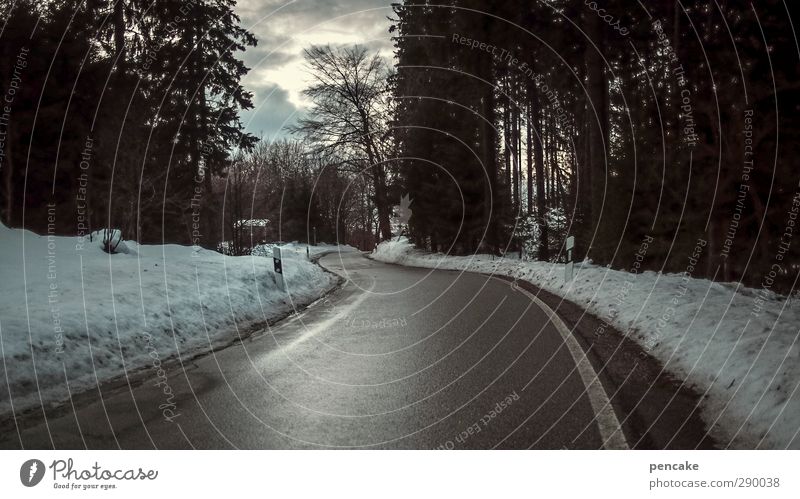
[736, 345]
[87, 316]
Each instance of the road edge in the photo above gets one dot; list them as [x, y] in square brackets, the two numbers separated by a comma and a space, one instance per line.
[605, 416]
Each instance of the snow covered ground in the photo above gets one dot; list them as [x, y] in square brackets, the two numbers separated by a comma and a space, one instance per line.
[738, 346]
[71, 313]
[298, 250]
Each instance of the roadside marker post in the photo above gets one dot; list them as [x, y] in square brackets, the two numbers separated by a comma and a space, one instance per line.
[568, 268]
[276, 260]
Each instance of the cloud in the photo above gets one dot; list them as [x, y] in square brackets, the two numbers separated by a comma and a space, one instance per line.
[272, 113]
[283, 30]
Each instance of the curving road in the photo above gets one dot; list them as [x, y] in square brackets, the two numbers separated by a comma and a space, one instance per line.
[396, 358]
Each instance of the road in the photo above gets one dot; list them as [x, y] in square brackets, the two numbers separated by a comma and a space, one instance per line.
[396, 358]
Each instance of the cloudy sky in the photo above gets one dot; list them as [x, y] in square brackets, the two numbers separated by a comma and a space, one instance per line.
[284, 28]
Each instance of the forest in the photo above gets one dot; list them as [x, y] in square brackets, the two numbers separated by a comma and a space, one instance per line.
[666, 126]
[614, 124]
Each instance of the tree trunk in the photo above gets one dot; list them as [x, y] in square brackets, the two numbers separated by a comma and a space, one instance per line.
[491, 200]
[379, 183]
[506, 146]
[597, 88]
[553, 164]
[541, 201]
[382, 202]
[515, 152]
[9, 176]
[529, 149]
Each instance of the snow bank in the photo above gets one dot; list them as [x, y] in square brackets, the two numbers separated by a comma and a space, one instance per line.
[298, 250]
[70, 312]
[736, 345]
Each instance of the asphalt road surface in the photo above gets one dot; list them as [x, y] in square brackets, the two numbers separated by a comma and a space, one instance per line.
[396, 358]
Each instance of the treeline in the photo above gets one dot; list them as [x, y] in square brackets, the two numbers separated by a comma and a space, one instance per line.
[510, 126]
[296, 194]
[120, 113]
[521, 123]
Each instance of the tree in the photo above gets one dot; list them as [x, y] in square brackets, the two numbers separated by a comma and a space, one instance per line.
[350, 100]
[535, 144]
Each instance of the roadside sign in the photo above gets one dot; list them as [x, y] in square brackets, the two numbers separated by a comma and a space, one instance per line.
[569, 267]
[278, 263]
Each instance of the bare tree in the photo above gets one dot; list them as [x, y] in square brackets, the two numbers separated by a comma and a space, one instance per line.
[350, 97]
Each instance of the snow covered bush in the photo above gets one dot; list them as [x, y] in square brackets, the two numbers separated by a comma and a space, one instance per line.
[109, 240]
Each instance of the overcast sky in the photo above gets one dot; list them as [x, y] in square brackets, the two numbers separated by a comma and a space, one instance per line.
[284, 28]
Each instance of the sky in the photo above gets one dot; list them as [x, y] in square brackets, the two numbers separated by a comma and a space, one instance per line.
[284, 28]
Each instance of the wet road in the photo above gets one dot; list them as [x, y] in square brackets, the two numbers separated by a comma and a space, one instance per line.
[396, 358]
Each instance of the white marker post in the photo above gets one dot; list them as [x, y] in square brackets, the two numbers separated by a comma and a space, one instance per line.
[568, 268]
[276, 260]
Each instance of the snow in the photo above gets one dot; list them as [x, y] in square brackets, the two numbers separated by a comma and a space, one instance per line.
[251, 222]
[298, 250]
[737, 346]
[85, 316]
